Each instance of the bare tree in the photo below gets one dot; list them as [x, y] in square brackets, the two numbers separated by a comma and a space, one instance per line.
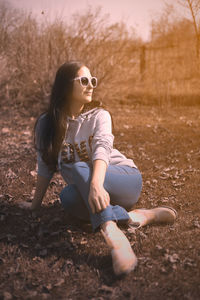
[9, 19]
[194, 9]
[162, 27]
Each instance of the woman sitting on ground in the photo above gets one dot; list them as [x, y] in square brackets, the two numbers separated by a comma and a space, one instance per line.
[75, 137]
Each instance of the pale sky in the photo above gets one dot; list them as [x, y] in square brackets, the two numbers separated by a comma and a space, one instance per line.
[136, 13]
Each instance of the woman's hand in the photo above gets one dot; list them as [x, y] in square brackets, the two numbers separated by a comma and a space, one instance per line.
[98, 198]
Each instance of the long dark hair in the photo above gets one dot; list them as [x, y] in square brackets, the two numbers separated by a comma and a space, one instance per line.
[48, 136]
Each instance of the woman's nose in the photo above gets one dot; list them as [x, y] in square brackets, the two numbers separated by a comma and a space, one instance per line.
[90, 85]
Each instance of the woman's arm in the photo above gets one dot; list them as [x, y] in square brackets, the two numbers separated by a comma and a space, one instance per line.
[44, 176]
[41, 188]
[102, 144]
[99, 198]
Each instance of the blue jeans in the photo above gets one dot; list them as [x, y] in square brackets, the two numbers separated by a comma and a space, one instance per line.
[123, 183]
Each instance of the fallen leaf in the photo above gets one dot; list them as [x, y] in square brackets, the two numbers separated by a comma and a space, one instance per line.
[196, 224]
[69, 262]
[188, 262]
[126, 126]
[33, 173]
[10, 174]
[26, 132]
[174, 258]
[7, 296]
[5, 130]
[105, 288]
[60, 282]
[83, 241]
[164, 176]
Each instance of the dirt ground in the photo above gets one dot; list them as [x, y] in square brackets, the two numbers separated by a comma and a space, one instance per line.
[50, 255]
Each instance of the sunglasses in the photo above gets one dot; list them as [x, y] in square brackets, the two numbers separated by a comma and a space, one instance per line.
[84, 81]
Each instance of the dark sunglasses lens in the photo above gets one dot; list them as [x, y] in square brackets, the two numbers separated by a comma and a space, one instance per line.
[94, 81]
[84, 81]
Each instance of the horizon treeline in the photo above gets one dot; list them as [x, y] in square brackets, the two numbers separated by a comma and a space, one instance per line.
[162, 70]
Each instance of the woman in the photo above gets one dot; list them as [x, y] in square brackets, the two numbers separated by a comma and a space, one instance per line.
[75, 137]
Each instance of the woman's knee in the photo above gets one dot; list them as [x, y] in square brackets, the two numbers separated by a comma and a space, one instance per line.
[137, 190]
[77, 166]
[139, 182]
[136, 184]
[72, 202]
[128, 202]
[129, 194]
[80, 169]
[67, 196]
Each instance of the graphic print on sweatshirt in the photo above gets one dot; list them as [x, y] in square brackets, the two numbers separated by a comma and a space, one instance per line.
[68, 150]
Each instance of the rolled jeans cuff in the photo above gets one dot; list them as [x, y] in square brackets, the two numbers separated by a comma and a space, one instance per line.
[110, 213]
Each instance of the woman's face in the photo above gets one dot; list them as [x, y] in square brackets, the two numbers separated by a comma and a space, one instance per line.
[82, 94]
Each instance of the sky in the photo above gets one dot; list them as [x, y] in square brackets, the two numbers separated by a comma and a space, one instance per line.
[135, 13]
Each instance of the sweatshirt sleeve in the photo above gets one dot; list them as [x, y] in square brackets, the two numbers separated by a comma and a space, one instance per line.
[102, 142]
[42, 167]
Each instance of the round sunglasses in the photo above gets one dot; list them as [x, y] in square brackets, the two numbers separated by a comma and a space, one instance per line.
[84, 81]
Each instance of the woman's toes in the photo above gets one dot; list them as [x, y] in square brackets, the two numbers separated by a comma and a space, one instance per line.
[123, 258]
[155, 215]
[165, 214]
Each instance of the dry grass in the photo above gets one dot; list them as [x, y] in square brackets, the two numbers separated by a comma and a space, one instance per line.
[34, 51]
[31, 52]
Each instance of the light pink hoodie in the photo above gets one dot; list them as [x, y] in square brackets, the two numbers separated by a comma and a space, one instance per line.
[89, 137]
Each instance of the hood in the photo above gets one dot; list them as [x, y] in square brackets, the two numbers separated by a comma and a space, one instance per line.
[88, 111]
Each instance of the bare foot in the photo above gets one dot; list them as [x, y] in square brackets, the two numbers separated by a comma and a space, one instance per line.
[123, 257]
[155, 215]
